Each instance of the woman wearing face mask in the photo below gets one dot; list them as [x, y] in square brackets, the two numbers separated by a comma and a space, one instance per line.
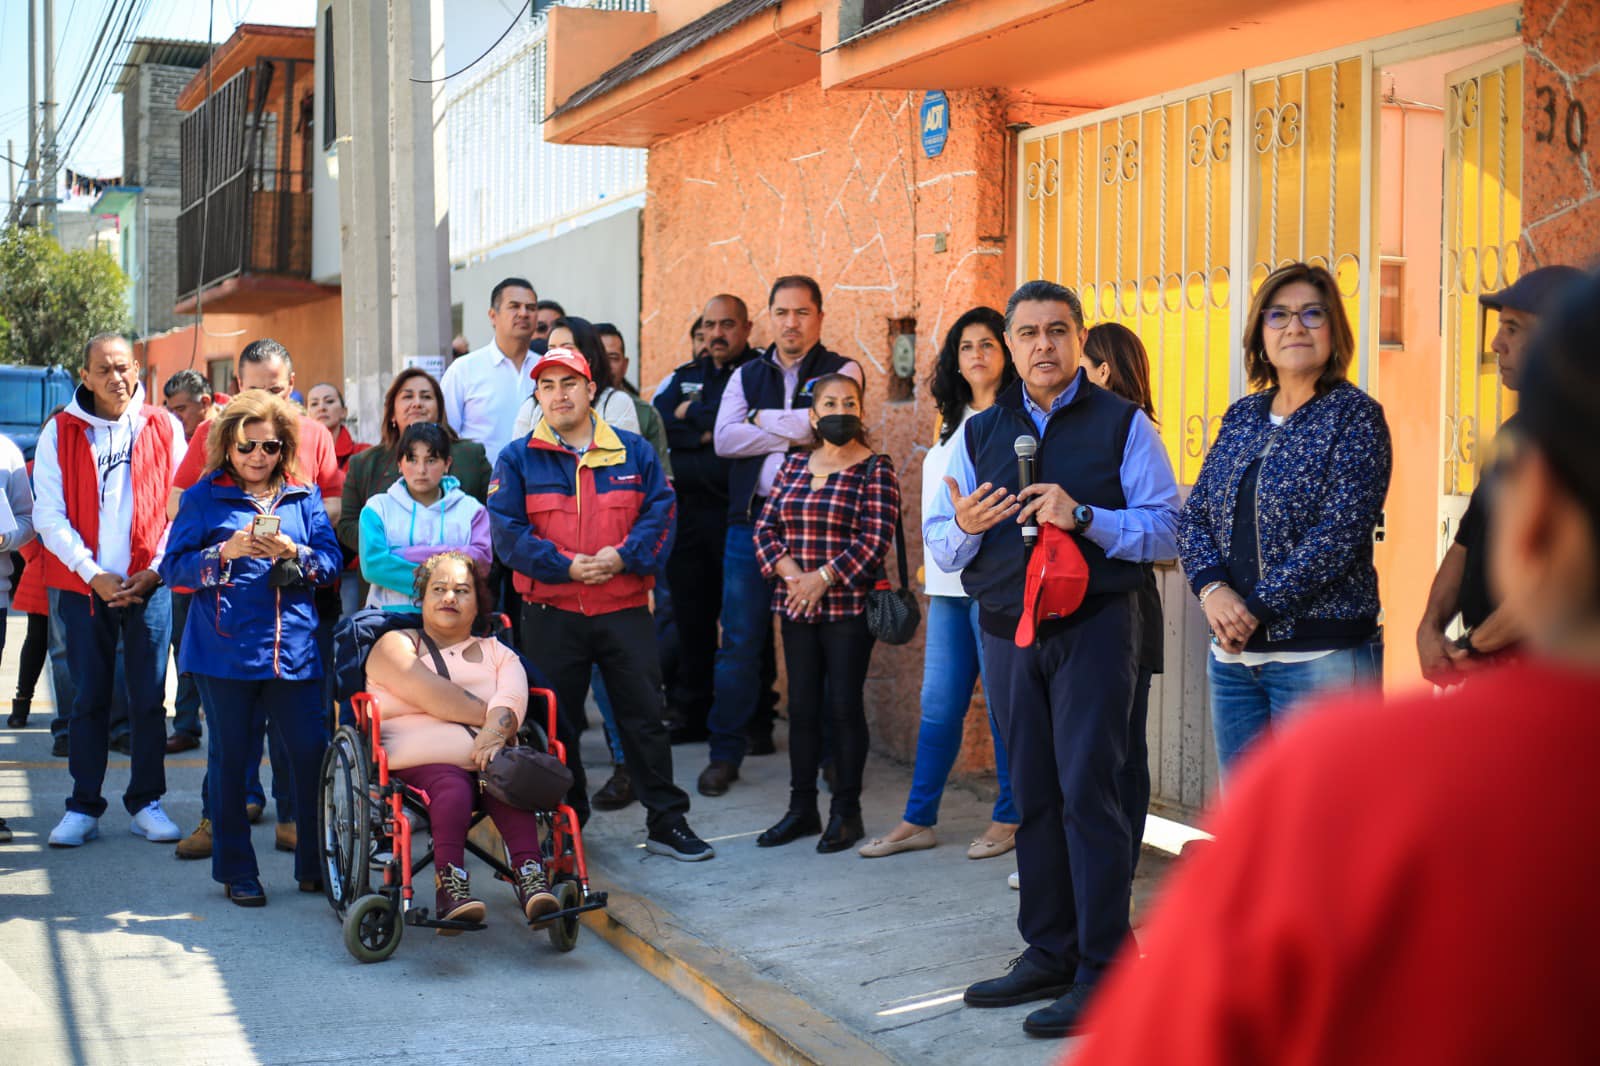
[974, 365]
[823, 535]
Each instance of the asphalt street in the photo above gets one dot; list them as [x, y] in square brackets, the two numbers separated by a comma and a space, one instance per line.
[119, 953]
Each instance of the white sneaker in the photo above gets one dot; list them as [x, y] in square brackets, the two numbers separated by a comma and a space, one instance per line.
[153, 824]
[74, 830]
[1015, 881]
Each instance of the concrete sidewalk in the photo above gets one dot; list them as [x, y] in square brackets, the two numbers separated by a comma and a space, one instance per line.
[825, 958]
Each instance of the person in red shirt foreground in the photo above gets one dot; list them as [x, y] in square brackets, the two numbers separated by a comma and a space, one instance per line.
[1414, 882]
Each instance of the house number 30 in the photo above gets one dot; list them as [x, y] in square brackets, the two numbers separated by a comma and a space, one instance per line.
[1576, 127]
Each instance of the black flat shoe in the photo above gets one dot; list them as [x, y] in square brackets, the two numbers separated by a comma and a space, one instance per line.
[791, 827]
[841, 833]
[246, 892]
[1060, 1018]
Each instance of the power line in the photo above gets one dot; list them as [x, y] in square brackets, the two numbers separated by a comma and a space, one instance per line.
[485, 55]
[113, 62]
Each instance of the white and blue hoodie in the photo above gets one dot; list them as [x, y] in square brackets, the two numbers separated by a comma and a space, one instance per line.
[397, 533]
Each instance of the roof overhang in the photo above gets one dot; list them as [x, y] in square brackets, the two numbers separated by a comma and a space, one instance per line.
[642, 90]
[115, 199]
[251, 294]
[249, 43]
[160, 51]
[1097, 53]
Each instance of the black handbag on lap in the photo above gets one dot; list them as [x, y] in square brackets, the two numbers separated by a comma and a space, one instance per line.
[893, 614]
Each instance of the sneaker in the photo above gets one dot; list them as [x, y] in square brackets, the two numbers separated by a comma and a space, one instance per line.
[197, 845]
[58, 746]
[19, 713]
[1015, 881]
[285, 837]
[153, 824]
[678, 841]
[454, 900]
[74, 830]
[533, 892]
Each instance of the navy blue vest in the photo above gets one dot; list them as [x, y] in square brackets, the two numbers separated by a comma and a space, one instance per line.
[1082, 452]
[762, 379]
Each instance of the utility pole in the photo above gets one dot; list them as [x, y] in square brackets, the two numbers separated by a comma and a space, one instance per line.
[24, 208]
[49, 175]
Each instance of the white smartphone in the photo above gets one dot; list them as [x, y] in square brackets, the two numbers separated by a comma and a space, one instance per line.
[265, 525]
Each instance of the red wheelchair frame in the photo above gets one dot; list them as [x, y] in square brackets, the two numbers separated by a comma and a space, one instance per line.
[373, 921]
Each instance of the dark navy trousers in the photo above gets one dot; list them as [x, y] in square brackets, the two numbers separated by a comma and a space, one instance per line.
[1064, 706]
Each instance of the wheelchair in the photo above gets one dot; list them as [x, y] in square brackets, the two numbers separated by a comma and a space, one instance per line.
[366, 825]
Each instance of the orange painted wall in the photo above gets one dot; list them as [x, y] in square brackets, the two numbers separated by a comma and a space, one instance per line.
[836, 185]
[313, 332]
[1561, 99]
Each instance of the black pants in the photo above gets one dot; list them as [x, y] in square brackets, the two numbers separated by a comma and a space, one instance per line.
[1135, 779]
[694, 573]
[1063, 706]
[827, 664]
[565, 645]
[35, 648]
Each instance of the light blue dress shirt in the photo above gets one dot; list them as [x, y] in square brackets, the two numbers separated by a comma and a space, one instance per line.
[1143, 532]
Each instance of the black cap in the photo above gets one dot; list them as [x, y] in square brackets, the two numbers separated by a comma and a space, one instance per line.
[1534, 292]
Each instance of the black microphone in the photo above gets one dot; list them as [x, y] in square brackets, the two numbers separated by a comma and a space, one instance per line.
[1026, 448]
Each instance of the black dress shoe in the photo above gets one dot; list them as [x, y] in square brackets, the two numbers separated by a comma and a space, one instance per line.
[246, 892]
[715, 779]
[1061, 1017]
[842, 832]
[182, 742]
[616, 793]
[791, 827]
[1024, 982]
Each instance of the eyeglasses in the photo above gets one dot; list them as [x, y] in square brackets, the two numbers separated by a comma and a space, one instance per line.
[1314, 316]
[270, 447]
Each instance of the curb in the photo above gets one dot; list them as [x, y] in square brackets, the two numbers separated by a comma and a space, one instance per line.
[774, 1022]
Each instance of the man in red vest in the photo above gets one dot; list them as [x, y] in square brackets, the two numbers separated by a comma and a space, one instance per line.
[102, 471]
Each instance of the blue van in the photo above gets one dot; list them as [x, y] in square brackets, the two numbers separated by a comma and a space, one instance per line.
[27, 395]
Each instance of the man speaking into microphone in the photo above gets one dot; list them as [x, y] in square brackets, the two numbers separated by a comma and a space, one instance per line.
[1061, 686]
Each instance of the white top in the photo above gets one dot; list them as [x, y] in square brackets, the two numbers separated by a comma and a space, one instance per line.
[938, 582]
[111, 441]
[482, 391]
[16, 511]
[614, 407]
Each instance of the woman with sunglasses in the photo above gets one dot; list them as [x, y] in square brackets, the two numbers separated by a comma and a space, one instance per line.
[253, 542]
[1276, 537]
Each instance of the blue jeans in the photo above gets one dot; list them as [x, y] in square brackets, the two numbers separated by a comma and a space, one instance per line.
[292, 712]
[92, 631]
[602, 699]
[1247, 701]
[746, 622]
[186, 708]
[952, 662]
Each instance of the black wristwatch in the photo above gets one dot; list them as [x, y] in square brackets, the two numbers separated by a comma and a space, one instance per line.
[1083, 515]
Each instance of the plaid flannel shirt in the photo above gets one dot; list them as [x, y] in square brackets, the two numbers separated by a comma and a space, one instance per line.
[848, 524]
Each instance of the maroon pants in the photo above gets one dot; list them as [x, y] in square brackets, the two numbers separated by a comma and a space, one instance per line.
[452, 793]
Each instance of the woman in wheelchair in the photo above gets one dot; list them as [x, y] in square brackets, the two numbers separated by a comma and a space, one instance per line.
[450, 702]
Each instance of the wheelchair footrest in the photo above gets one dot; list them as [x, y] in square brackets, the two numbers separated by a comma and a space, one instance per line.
[419, 917]
[596, 902]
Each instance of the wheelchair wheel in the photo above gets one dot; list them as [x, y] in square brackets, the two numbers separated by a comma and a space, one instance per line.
[564, 931]
[344, 819]
[372, 928]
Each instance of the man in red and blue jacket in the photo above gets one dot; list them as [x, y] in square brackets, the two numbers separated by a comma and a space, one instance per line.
[583, 516]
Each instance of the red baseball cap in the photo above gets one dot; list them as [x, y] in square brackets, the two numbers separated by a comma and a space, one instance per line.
[1058, 576]
[563, 357]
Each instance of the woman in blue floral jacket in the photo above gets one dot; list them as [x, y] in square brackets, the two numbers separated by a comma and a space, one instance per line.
[1276, 538]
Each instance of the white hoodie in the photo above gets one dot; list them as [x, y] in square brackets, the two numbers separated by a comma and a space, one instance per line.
[111, 441]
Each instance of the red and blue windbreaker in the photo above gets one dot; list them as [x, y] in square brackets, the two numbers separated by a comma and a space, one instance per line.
[548, 504]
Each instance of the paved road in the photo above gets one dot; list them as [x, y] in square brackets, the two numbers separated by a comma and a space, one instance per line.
[118, 953]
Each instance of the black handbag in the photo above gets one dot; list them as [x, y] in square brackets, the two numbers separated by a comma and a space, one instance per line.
[893, 614]
[519, 776]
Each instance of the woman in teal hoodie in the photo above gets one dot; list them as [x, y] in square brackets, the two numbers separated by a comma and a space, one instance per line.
[421, 514]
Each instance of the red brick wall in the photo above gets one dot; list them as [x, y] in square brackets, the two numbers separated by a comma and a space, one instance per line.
[1561, 132]
[836, 185]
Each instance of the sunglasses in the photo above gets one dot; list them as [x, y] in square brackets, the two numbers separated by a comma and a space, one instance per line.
[270, 447]
[1312, 317]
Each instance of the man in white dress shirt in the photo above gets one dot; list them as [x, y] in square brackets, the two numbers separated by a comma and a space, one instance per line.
[484, 389]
